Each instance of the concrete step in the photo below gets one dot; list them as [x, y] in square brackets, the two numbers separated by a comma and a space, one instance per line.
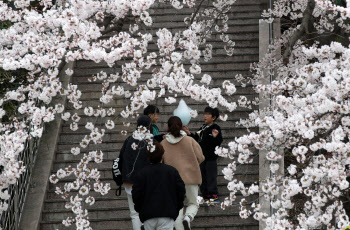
[248, 177]
[177, 26]
[243, 7]
[117, 143]
[162, 123]
[219, 59]
[123, 211]
[95, 95]
[205, 66]
[234, 35]
[100, 202]
[164, 116]
[56, 204]
[122, 103]
[96, 87]
[216, 81]
[111, 154]
[178, 20]
[111, 135]
[103, 216]
[252, 13]
[200, 222]
[237, 3]
[244, 172]
[222, 186]
[217, 77]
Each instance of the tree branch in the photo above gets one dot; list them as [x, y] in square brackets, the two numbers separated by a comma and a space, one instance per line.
[116, 27]
[304, 28]
[195, 13]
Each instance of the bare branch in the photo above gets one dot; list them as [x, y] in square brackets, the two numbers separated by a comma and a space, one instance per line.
[304, 28]
[195, 13]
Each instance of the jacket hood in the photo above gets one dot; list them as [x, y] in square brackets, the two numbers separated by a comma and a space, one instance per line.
[173, 140]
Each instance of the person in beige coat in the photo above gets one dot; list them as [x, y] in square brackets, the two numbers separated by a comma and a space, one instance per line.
[184, 154]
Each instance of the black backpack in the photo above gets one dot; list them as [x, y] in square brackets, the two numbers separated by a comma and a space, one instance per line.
[117, 175]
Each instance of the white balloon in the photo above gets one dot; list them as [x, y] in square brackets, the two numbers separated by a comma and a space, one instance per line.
[183, 112]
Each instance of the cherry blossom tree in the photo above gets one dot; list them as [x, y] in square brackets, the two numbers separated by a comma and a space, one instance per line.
[43, 35]
[308, 119]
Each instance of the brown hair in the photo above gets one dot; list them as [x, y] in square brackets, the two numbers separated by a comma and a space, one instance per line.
[157, 154]
[174, 126]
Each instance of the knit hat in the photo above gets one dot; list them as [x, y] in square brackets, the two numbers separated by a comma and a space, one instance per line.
[144, 121]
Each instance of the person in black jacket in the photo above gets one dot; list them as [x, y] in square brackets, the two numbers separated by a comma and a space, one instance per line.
[158, 192]
[209, 137]
[132, 160]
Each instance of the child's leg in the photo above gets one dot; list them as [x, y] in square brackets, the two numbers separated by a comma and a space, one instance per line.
[150, 224]
[136, 223]
[203, 186]
[192, 203]
[178, 222]
[212, 174]
[165, 223]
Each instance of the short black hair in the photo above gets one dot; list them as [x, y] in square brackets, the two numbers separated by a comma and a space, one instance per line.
[144, 121]
[213, 111]
[156, 156]
[151, 109]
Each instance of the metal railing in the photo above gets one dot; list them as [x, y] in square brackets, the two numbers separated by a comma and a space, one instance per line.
[10, 219]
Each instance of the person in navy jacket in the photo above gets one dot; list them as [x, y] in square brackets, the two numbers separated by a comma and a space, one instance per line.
[209, 136]
[158, 192]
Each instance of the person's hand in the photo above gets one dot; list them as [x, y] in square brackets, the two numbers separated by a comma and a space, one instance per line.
[215, 132]
[185, 128]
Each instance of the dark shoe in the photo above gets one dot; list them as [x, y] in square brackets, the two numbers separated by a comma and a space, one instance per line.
[186, 223]
[142, 227]
[206, 198]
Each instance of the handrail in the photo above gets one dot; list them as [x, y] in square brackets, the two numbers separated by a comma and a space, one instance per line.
[271, 42]
[10, 219]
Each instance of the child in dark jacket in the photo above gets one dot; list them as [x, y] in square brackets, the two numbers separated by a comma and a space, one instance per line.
[158, 192]
[131, 162]
[209, 137]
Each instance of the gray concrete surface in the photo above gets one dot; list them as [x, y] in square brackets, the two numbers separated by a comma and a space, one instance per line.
[264, 164]
[31, 216]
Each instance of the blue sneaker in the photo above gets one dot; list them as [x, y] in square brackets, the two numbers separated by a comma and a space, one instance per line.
[214, 199]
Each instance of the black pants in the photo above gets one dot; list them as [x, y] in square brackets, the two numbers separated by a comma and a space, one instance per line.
[209, 170]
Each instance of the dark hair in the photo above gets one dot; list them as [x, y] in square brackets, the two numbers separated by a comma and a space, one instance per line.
[144, 121]
[174, 126]
[151, 109]
[156, 155]
[213, 111]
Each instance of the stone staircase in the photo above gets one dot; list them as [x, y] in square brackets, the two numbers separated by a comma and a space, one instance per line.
[111, 212]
